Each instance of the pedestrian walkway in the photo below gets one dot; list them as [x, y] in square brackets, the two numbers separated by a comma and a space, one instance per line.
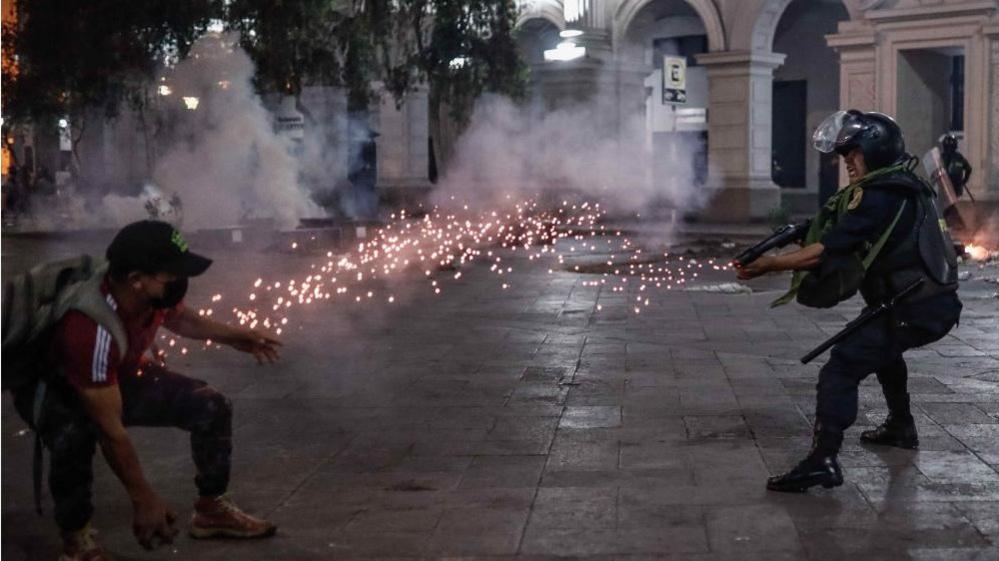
[527, 423]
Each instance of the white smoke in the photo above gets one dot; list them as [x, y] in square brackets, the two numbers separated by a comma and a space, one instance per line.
[510, 149]
[218, 159]
[225, 161]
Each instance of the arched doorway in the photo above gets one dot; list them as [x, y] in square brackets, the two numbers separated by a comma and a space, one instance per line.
[535, 35]
[662, 39]
[806, 90]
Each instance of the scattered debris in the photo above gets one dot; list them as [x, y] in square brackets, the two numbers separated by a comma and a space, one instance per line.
[964, 275]
[723, 288]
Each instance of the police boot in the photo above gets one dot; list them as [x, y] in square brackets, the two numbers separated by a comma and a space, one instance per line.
[818, 468]
[897, 430]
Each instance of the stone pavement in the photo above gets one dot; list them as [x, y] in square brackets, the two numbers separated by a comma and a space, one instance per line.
[492, 424]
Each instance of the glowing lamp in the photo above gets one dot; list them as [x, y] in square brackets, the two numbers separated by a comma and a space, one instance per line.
[565, 51]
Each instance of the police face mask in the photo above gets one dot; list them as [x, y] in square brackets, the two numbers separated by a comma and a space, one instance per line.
[173, 293]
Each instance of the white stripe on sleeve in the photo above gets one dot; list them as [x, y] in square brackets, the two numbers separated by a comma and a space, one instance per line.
[102, 347]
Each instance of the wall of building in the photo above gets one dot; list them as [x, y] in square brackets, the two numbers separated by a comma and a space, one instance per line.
[851, 53]
[866, 63]
[801, 36]
[923, 92]
[880, 69]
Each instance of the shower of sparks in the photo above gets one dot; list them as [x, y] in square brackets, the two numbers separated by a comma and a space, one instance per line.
[438, 245]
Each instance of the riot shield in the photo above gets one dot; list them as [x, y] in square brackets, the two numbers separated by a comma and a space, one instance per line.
[935, 170]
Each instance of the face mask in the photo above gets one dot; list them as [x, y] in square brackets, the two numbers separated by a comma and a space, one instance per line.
[173, 293]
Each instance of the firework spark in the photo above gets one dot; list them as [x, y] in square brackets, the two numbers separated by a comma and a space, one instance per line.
[438, 245]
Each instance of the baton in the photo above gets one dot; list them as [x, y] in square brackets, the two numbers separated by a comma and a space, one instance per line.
[863, 319]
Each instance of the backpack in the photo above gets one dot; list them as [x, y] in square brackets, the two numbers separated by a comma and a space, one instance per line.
[33, 303]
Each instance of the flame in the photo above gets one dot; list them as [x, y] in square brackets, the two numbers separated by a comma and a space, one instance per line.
[979, 252]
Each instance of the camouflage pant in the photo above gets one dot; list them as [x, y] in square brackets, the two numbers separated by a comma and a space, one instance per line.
[158, 398]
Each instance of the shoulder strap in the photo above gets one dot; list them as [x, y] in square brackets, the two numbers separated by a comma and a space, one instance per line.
[86, 297]
[878, 245]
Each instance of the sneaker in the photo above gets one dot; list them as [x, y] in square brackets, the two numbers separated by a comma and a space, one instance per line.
[219, 517]
[82, 545]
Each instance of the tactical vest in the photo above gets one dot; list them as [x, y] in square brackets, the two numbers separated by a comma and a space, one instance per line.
[927, 252]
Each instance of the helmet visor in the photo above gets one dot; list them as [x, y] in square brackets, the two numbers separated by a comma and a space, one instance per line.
[826, 134]
[839, 132]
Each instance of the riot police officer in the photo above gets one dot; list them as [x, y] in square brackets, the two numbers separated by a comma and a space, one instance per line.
[955, 165]
[879, 234]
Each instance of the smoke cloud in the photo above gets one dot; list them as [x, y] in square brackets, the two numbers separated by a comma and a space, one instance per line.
[225, 161]
[516, 150]
[217, 159]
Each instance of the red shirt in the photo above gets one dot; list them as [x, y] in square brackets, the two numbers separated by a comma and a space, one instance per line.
[88, 354]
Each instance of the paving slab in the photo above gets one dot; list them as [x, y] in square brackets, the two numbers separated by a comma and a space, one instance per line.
[527, 424]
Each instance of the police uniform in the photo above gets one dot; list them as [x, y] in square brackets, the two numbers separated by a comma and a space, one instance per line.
[955, 165]
[923, 318]
[886, 230]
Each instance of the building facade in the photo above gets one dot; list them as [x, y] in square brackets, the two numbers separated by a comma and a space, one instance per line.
[761, 74]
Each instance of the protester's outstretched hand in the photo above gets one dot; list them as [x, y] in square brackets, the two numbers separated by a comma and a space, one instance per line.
[262, 346]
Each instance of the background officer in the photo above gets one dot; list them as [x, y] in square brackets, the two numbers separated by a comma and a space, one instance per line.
[957, 167]
[886, 228]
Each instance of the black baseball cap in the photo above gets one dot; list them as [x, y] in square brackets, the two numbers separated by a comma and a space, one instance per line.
[153, 246]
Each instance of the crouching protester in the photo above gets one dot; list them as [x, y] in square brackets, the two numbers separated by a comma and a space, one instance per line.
[77, 336]
[882, 235]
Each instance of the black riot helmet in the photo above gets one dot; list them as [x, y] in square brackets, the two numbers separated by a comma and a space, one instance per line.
[949, 143]
[877, 135]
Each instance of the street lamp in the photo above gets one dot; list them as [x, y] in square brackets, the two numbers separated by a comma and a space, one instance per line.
[565, 51]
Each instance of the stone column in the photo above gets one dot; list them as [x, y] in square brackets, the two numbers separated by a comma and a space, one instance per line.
[857, 73]
[590, 18]
[403, 146]
[740, 92]
[991, 168]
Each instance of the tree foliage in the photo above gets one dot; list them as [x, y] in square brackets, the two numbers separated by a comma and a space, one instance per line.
[459, 48]
[470, 49]
[76, 55]
[297, 43]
